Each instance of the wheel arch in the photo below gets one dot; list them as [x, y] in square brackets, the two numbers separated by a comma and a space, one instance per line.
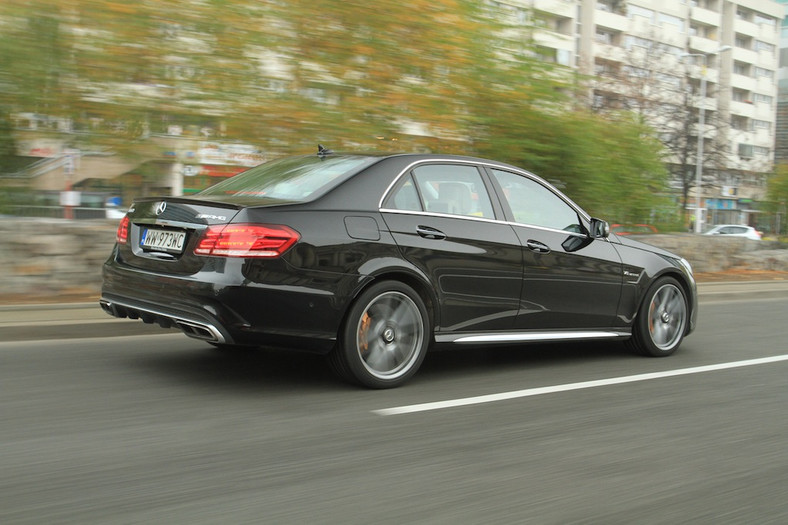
[414, 279]
[688, 286]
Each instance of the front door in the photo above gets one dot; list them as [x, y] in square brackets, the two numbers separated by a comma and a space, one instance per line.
[570, 281]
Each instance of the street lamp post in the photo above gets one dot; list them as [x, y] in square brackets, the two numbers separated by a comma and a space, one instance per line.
[701, 131]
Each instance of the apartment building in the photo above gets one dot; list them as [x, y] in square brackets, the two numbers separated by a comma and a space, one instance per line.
[781, 143]
[650, 56]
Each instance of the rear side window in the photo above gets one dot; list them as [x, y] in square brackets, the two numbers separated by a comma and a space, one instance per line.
[452, 189]
[291, 179]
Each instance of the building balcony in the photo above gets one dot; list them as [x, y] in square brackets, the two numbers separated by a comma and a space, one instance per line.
[704, 45]
[560, 8]
[712, 75]
[743, 82]
[705, 16]
[745, 55]
[555, 41]
[611, 20]
[610, 52]
[767, 33]
[745, 109]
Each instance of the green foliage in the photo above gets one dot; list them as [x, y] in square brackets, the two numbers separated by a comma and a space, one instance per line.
[611, 167]
[777, 189]
[7, 142]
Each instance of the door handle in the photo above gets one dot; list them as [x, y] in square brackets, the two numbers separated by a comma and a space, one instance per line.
[430, 233]
[536, 246]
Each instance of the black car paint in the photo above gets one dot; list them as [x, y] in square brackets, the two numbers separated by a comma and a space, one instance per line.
[349, 240]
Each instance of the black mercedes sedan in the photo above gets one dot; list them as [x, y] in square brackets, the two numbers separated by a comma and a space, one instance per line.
[374, 260]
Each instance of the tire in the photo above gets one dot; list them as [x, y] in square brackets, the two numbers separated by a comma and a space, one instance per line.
[661, 322]
[384, 338]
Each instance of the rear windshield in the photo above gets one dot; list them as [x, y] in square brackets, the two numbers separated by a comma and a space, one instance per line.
[292, 178]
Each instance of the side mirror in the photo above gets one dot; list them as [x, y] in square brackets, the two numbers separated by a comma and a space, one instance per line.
[599, 229]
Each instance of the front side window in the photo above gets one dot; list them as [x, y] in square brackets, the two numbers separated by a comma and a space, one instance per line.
[534, 204]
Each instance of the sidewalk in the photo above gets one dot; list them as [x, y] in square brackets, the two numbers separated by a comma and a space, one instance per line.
[76, 320]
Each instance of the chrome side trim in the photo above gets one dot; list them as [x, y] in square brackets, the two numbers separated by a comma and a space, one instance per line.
[482, 219]
[526, 337]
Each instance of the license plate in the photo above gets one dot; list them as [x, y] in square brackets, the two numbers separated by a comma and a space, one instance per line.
[164, 240]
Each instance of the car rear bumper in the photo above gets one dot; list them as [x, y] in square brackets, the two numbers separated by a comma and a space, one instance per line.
[222, 312]
[197, 325]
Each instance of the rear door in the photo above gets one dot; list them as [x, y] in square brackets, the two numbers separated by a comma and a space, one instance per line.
[443, 220]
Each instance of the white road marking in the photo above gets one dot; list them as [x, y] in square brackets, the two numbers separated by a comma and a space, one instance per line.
[503, 396]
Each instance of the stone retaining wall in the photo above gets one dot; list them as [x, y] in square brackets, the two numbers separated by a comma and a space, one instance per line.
[709, 253]
[47, 259]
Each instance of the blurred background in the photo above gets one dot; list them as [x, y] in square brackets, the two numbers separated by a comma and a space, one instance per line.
[104, 101]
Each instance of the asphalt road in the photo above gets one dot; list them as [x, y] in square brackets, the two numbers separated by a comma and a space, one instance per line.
[164, 429]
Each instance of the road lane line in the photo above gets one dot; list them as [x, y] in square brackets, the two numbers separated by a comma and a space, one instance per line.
[503, 396]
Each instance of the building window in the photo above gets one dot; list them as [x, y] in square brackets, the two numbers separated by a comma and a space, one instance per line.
[765, 19]
[669, 80]
[631, 41]
[703, 31]
[740, 123]
[740, 95]
[743, 14]
[605, 68]
[741, 68]
[636, 10]
[675, 21]
[762, 124]
[564, 57]
[761, 72]
[762, 99]
[743, 41]
[611, 6]
[671, 50]
[745, 151]
[764, 46]
[636, 72]
[760, 151]
[604, 37]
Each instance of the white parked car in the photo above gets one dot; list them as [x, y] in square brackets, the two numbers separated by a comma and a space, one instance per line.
[735, 230]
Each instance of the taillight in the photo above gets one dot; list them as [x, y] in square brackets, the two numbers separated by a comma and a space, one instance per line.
[122, 235]
[246, 240]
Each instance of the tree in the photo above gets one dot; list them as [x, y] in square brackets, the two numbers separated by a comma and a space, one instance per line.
[663, 89]
[777, 196]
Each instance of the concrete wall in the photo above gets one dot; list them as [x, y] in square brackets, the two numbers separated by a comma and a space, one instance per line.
[45, 260]
[717, 253]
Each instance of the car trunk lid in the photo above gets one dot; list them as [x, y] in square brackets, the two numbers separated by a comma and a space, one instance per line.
[161, 234]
